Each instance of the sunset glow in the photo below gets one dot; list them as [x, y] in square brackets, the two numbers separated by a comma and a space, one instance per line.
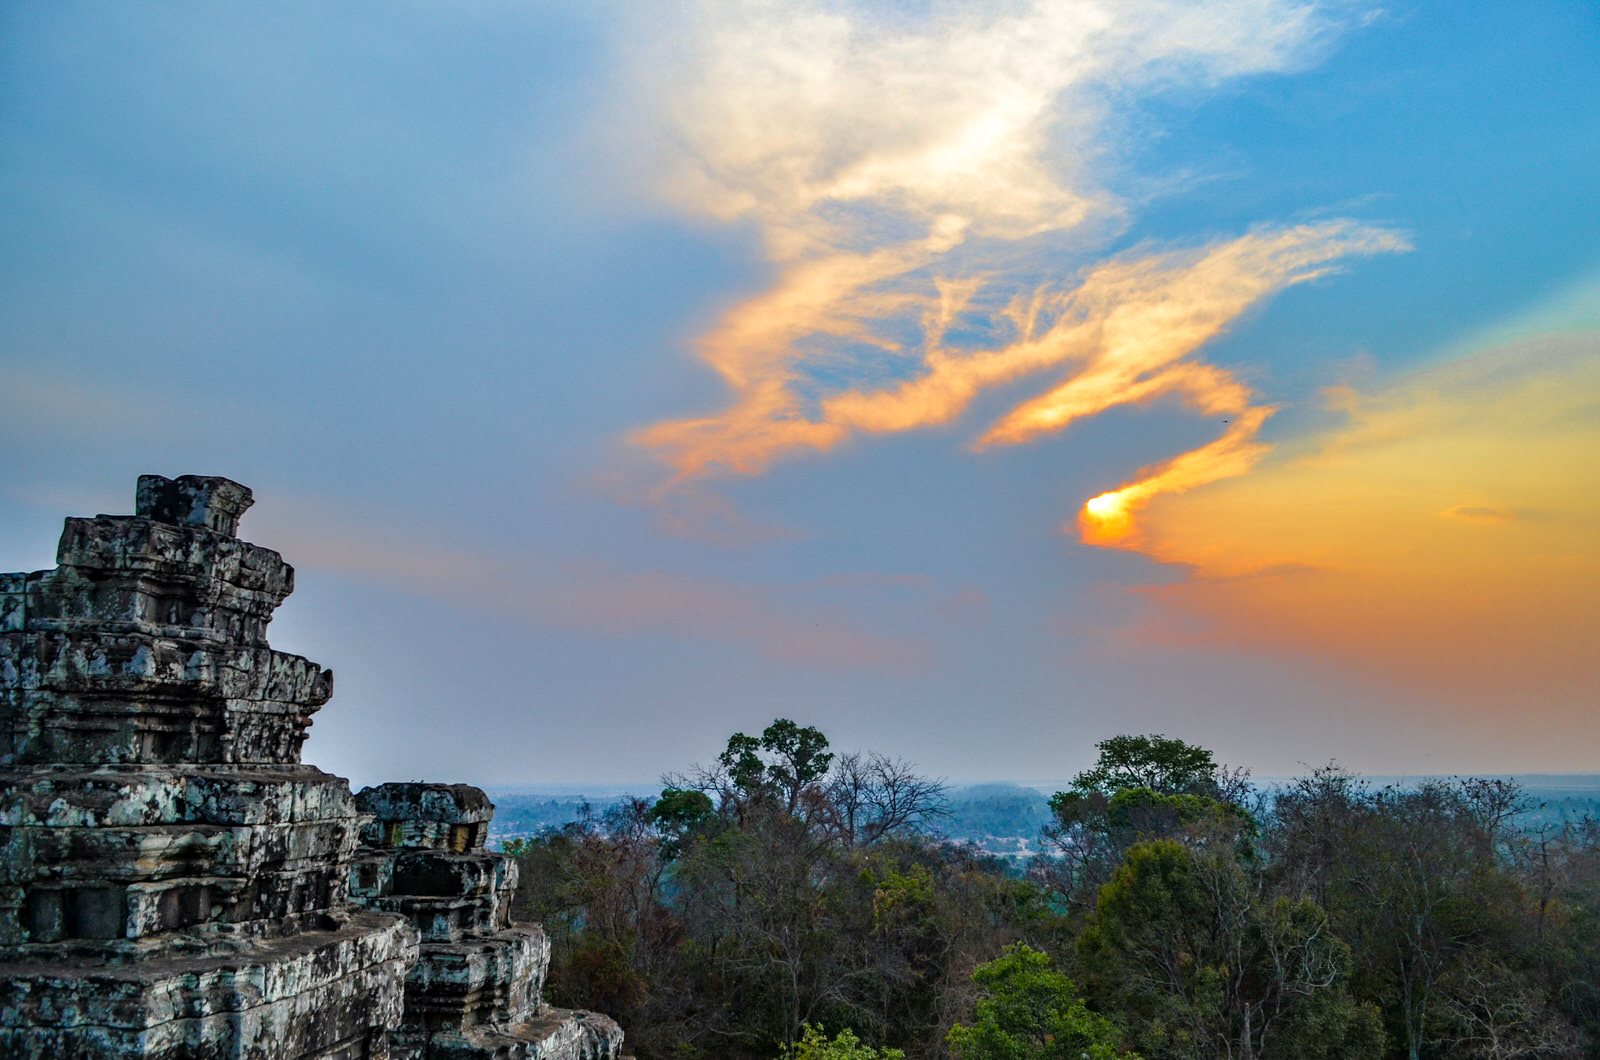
[1442, 537]
[973, 381]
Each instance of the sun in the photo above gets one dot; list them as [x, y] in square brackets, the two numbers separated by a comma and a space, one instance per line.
[1106, 518]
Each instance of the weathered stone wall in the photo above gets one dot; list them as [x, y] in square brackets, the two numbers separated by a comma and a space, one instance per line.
[174, 883]
[147, 644]
[475, 990]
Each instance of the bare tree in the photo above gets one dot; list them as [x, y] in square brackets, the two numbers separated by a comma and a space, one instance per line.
[1493, 1014]
[870, 796]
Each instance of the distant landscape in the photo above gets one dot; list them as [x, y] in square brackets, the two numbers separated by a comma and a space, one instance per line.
[1001, 819]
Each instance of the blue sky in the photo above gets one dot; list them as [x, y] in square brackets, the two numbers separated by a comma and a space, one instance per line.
[427, 282]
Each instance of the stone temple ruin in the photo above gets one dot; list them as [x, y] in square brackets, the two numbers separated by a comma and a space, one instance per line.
[174, 883]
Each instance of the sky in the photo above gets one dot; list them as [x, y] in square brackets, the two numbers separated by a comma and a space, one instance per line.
[972, 382]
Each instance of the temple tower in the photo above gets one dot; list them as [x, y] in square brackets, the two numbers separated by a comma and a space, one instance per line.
[174, 883]
[172, 879]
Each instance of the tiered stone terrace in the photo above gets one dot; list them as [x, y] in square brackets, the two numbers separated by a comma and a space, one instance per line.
[475, 991]
[174, 883]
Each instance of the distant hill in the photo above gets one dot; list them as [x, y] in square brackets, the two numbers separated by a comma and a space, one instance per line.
[1000, 819]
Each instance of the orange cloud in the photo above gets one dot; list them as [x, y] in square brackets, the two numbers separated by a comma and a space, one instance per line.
[1121, 333]
[917, 183]
[1338, 551]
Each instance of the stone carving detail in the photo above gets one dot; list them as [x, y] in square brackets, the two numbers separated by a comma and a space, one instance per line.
[475, 989]
[174, 883]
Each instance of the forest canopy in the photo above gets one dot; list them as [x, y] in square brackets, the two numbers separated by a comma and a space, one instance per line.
[792, 900]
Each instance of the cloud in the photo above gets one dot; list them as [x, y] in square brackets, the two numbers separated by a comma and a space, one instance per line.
[1479, 514]
[791, 112]
[1400, 545]
[922, 186]
[775, 621]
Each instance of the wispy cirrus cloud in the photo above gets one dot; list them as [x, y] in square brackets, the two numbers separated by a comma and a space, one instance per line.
[925, 188]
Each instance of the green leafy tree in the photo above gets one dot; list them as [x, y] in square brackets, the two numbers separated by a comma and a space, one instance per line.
[802, 757]
[814, 1045]
[1029, 1011]
[1142, 788]
[797, 758]
[742, 760]
[1160, 763]
[679, 814]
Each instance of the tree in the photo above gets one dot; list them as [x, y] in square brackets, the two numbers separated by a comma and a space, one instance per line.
[1142, 788]
[678, 814]
[1567, 924]
[1026, 1010]
[1189, 950]
[871, 796]
[814, 1045]
[1454, 917]
[808, 894]
[787, 888]
[1160, 763]
[1492, 1013]
[601, 889]
[797, 758]
[1310, 829]
[743, 763]
[1147, 813]
[802, 757]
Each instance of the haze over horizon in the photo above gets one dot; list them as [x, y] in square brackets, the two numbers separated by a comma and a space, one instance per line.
[973, 386]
